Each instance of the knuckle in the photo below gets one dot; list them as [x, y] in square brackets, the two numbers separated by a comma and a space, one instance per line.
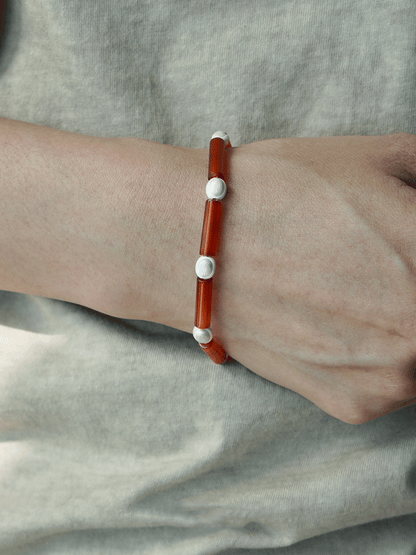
[403, 141]
[401, 148]
[402, 390]
[398, 384]
[397, 393]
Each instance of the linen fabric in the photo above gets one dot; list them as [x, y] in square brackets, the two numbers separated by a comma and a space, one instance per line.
[121, 436]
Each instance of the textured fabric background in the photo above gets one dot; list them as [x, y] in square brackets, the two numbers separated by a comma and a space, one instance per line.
[121, 437]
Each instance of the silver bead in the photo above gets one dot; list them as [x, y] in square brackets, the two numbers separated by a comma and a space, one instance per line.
[202, 336]
[216, 188]
[221, 135]
[205, 267]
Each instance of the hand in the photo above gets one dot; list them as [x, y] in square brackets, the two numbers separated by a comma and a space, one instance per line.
[315, 287]
[316, 277]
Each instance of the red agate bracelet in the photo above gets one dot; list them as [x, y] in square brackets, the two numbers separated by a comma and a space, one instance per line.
[205, 267]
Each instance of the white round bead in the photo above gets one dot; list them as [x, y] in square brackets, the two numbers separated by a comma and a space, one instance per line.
[216, 188]
[205, 267]
[202, 336]
[222, 135]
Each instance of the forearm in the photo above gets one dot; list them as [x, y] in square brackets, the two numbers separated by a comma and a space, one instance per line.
[112, 224]
[54, 210]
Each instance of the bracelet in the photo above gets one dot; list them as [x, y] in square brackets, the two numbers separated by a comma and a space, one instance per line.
[205, 267]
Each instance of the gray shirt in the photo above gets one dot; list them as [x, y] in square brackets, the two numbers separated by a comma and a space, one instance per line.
[121, 436]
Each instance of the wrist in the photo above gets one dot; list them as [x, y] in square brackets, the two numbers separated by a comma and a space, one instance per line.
[159, 214]
[148, 234]
[113, 224]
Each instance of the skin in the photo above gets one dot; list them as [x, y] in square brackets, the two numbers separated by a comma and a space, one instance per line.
[315, 287]
[315, 281]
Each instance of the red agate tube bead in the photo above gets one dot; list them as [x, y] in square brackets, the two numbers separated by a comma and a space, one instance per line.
[205, 267]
